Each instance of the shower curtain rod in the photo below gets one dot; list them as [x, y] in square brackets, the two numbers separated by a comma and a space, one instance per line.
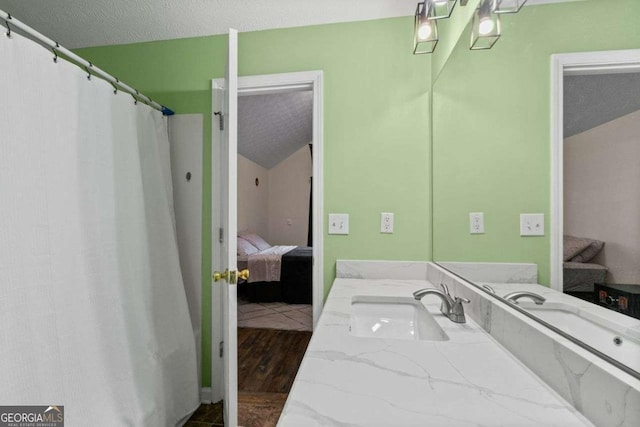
[88, 66]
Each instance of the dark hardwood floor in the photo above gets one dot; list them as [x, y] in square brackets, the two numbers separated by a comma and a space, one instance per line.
[268, 360]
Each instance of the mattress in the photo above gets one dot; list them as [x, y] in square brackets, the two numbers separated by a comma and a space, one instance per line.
[295, 285]
[580, 277]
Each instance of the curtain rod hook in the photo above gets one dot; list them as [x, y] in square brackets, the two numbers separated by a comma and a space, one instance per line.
[135, 100]
[115, 88]
[55, 54]
[88, 73]
[9, 17]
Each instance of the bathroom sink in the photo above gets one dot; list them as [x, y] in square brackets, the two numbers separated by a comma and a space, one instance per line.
[401, 318]
[597, 331]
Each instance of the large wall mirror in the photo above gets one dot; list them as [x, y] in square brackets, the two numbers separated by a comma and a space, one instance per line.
[532, 127]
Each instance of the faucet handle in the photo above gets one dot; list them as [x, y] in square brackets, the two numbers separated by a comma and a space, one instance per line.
[457, 310]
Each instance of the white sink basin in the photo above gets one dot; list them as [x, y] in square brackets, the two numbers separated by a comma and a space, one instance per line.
[596, 331]
[401, 318]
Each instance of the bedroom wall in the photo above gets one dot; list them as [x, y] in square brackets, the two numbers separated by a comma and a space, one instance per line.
[253, 201]
[376, 125]
[491, 127]
[601, 199]
[278, 208]
[289, 190]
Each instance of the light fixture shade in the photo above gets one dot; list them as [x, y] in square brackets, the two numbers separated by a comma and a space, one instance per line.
[508, 6]
[485, 27]
[441, 9]
[425, 30]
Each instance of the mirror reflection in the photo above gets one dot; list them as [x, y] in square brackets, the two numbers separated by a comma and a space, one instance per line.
[558, 214]
[601, 201]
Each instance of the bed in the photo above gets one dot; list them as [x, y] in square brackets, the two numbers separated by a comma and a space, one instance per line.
[580, 274]
[277, 273]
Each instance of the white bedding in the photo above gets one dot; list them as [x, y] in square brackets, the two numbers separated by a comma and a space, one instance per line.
[265, 266]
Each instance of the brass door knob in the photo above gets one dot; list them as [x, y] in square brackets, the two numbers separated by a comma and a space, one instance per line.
[217, 276]
[243, 274]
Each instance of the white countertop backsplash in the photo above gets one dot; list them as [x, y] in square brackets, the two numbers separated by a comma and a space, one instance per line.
[494, 272]
[470, 380]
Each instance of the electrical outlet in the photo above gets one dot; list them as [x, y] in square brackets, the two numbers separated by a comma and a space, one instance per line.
[476, 223]
[338, 223]
[386, 222]
[532, 224]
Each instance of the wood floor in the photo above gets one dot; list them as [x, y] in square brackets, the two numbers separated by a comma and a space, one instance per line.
[268, 360]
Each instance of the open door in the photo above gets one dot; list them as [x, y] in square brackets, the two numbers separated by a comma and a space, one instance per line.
[225, 230]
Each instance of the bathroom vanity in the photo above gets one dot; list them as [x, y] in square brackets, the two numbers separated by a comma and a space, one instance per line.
[374, 360]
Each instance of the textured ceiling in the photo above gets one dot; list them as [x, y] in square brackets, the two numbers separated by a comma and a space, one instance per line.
[273, 127]
[83, 23]
[592, 100]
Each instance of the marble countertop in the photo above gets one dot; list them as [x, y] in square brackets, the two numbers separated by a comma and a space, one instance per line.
[470, 380]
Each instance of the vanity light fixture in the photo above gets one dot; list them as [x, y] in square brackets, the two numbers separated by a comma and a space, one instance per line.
[425, 30]
[441, 9]
[508, 6]
[485, 27]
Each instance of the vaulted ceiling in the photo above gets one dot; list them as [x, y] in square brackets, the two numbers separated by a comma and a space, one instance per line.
[593, 100]
[273, 127]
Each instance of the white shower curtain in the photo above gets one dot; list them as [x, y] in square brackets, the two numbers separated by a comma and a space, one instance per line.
[93, 313]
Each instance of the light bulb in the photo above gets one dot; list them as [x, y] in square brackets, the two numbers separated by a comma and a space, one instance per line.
[486, 26]
[424, 31]
[441, 2]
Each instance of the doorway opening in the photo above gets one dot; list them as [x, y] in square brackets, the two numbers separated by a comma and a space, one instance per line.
[288, 240]
[275, 180]
[595, 152]
[275, 176]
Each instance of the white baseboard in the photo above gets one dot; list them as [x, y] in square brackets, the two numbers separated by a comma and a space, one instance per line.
[205, 395]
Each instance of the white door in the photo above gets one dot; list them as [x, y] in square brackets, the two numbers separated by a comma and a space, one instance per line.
[225, 276]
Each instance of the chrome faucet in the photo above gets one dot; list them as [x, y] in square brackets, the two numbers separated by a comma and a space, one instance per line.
[513, 297]
[489, 288]
[450, 307]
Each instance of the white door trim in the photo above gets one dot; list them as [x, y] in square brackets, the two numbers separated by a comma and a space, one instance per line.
[572, 64]
[270, 84]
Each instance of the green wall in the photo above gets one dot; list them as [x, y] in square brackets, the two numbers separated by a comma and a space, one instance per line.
[449, 32]
[491, 127]
[376, 124]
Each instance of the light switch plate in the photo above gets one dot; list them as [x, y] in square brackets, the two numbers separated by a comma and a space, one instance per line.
[338, 223]
[532, 224]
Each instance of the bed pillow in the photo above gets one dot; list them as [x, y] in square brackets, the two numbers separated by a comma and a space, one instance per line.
[574, 247]
[245, 248]
[256, 241]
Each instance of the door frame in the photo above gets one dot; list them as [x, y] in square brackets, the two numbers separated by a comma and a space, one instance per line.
[262, 85]
[599, 62]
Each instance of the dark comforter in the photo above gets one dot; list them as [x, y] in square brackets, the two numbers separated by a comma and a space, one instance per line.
[295, 283]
